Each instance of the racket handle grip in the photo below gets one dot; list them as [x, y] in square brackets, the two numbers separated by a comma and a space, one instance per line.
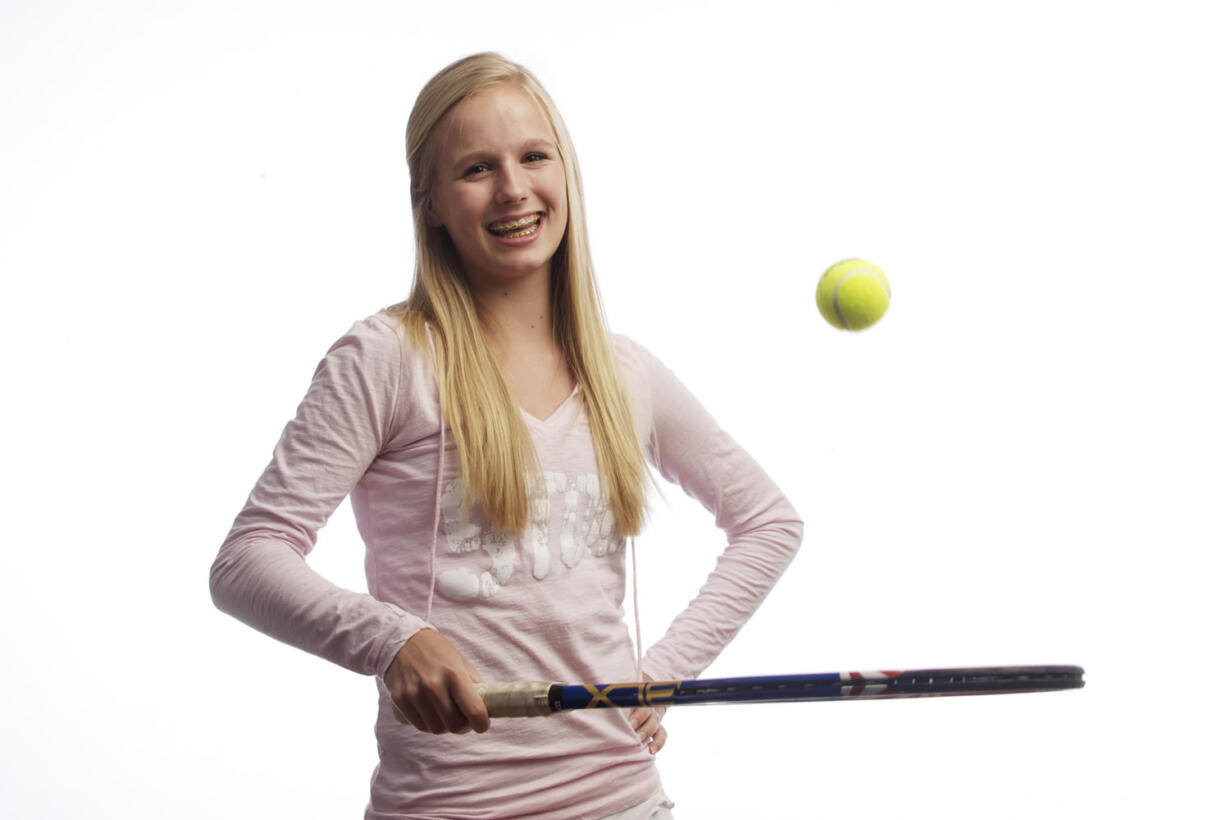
[520, 699]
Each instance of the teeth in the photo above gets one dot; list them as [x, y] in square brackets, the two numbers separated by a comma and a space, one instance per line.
[524, 232]
[519, 223]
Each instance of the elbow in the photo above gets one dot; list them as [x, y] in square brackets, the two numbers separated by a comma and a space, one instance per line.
[792, 527]
[230, 567]
[240, 560]
[244, 563]
[794, 533]
[219, 575]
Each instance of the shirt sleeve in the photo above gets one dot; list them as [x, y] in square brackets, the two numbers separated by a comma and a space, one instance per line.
[764, 531]
[260, 575]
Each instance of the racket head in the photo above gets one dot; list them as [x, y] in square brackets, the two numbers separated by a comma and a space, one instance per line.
[980, 680]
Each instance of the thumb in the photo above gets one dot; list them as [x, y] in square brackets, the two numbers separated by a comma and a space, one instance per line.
[473, 674]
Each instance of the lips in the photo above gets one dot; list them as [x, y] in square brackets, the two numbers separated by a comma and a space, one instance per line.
[515, 228]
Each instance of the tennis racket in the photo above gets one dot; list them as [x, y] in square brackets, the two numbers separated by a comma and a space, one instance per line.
[540, 698]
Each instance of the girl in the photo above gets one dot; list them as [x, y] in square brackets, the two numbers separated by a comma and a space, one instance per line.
[494, 440]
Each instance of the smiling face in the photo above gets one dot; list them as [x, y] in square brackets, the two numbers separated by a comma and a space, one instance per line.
[499, 187]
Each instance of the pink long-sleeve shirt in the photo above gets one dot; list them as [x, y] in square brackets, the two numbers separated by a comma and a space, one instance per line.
[546, 604]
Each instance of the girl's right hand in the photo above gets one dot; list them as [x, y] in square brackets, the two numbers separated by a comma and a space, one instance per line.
[431, 685]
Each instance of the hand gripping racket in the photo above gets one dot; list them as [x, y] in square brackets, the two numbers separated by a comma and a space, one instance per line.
[540, 698]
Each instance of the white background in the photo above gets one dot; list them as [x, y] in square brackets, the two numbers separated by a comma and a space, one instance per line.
[1022, 463]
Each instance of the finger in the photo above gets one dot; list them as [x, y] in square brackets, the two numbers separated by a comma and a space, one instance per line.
[454, 719]
[658, 740]
[651, 721]
[470, 706]
[637, 716]
[408, 717]
[467, 707]
[436, 723]
[439, 709]
[432, 707]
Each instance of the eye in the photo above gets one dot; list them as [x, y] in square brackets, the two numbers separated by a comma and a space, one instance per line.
[478, 168]
[535, 156]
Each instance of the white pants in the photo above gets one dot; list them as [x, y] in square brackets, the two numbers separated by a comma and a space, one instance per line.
[655, 807]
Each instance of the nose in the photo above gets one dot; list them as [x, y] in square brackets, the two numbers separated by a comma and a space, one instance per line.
[512, 184]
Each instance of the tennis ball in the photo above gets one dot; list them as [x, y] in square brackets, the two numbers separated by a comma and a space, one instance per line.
[853, 294]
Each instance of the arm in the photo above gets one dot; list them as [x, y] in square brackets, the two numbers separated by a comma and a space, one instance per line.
[763, 529]
[351, 412]
[260, 575]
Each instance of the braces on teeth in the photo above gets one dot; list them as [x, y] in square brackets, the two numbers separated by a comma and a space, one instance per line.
[529, 224]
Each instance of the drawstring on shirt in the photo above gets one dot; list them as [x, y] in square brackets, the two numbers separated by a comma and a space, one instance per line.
[638, 630]
[438, 487]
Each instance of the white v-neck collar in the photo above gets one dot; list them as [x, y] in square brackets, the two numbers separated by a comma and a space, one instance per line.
[556, 411]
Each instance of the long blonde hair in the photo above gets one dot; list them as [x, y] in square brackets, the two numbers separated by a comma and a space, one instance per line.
[495, 450]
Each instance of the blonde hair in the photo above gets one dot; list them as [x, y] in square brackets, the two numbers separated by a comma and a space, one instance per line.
[494, 447]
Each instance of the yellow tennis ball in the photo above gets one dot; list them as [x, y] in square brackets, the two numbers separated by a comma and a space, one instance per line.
[853, 294]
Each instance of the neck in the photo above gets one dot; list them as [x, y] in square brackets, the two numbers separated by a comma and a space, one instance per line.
[517, 315]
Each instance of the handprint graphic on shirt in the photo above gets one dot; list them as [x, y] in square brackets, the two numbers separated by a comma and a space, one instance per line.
[585, 527]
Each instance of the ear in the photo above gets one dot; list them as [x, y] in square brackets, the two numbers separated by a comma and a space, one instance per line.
[432, 218]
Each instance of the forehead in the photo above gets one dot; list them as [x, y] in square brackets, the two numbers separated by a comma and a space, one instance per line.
[501, 115]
